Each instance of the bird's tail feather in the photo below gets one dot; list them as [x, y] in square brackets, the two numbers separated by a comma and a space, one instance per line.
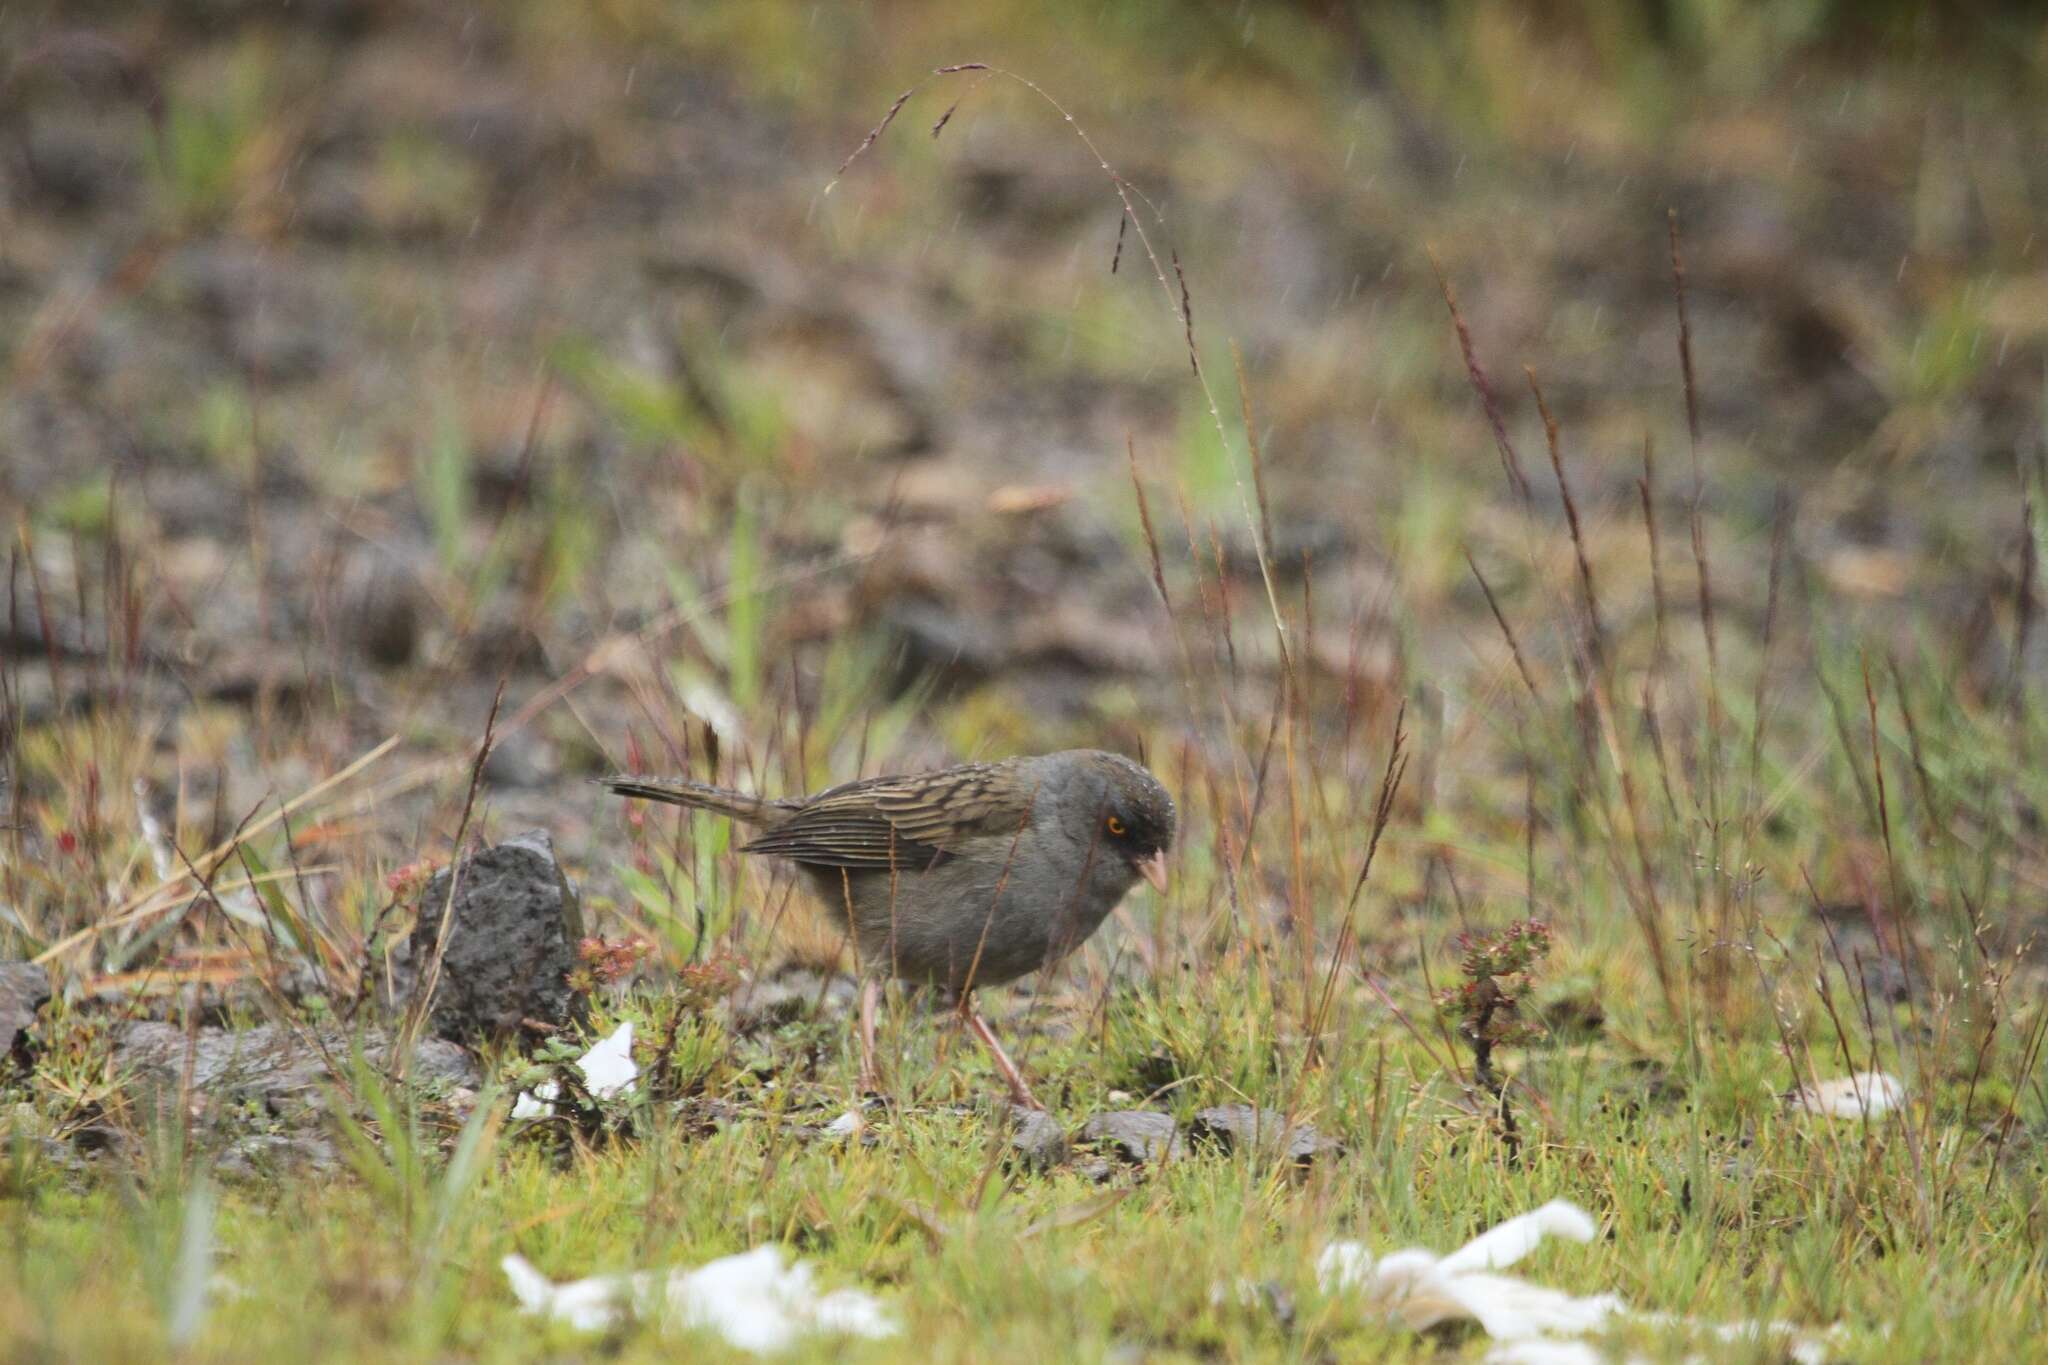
[678, 791]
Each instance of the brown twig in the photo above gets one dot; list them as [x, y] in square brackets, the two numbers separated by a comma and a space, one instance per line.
[1506, 630]
[430, 973]
[1596, 633]
[1476, 373]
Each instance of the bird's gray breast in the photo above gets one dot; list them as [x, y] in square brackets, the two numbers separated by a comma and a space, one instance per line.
[982, 917]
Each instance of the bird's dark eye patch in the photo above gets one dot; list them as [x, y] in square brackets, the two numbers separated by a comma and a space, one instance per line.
[1115, 827]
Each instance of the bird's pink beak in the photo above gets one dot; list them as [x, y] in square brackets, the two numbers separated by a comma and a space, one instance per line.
[1153, 869]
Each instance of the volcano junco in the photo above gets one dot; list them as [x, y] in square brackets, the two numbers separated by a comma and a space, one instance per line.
[964, 877]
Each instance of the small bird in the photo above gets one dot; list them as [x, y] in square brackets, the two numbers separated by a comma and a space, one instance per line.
[963, 877]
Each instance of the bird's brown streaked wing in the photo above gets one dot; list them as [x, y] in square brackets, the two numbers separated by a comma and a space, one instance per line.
[905, 822]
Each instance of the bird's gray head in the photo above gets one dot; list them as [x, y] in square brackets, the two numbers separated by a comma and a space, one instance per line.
[1128, 812]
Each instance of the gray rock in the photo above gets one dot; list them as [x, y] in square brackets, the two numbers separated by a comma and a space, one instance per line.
[60, 1155]
[74, 165]
[951, 650]
[502, 641]
[24, 989]
[522, 760]
[1240, 1127]
[510, 948]
[280, 1069]
[1886, 979]
[265, 316]
[772, 1001]
[102, 1140]
[1300, 544]
[1039, 1140]
[1135, 1135]
[262, 1155]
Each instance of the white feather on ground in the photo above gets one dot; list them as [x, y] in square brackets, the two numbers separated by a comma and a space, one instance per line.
[753, 1300]
[607, 1069]
[1531, 1324]
[1862, 1094]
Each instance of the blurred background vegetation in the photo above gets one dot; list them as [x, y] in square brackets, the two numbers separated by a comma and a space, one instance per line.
[359, 358]
[360, 354]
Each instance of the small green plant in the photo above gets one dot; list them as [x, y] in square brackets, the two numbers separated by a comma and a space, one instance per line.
[687, 903]
[444, 487]
[1486, 1007]
[606, 962]
[225, 429]
[426, 1200]
[647, 407]
[209, 142]
[421, 185]
[86, 508]
[743, 611]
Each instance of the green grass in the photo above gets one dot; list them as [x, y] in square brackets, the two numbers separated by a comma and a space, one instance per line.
[1717, 1204]
[1918, 1232]
[1253, 981]
[1720, 839]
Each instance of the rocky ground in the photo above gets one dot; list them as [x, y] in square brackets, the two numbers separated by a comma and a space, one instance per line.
[410, 411]
[339, 343]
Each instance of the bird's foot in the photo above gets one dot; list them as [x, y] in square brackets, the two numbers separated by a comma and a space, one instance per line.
[1020, 1091]
[1021, 1096]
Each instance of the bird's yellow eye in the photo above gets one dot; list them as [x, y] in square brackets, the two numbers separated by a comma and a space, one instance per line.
[1116, 827]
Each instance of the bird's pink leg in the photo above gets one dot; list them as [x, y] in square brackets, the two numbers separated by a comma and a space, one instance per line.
[1019, 1091]
[870, 1000]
